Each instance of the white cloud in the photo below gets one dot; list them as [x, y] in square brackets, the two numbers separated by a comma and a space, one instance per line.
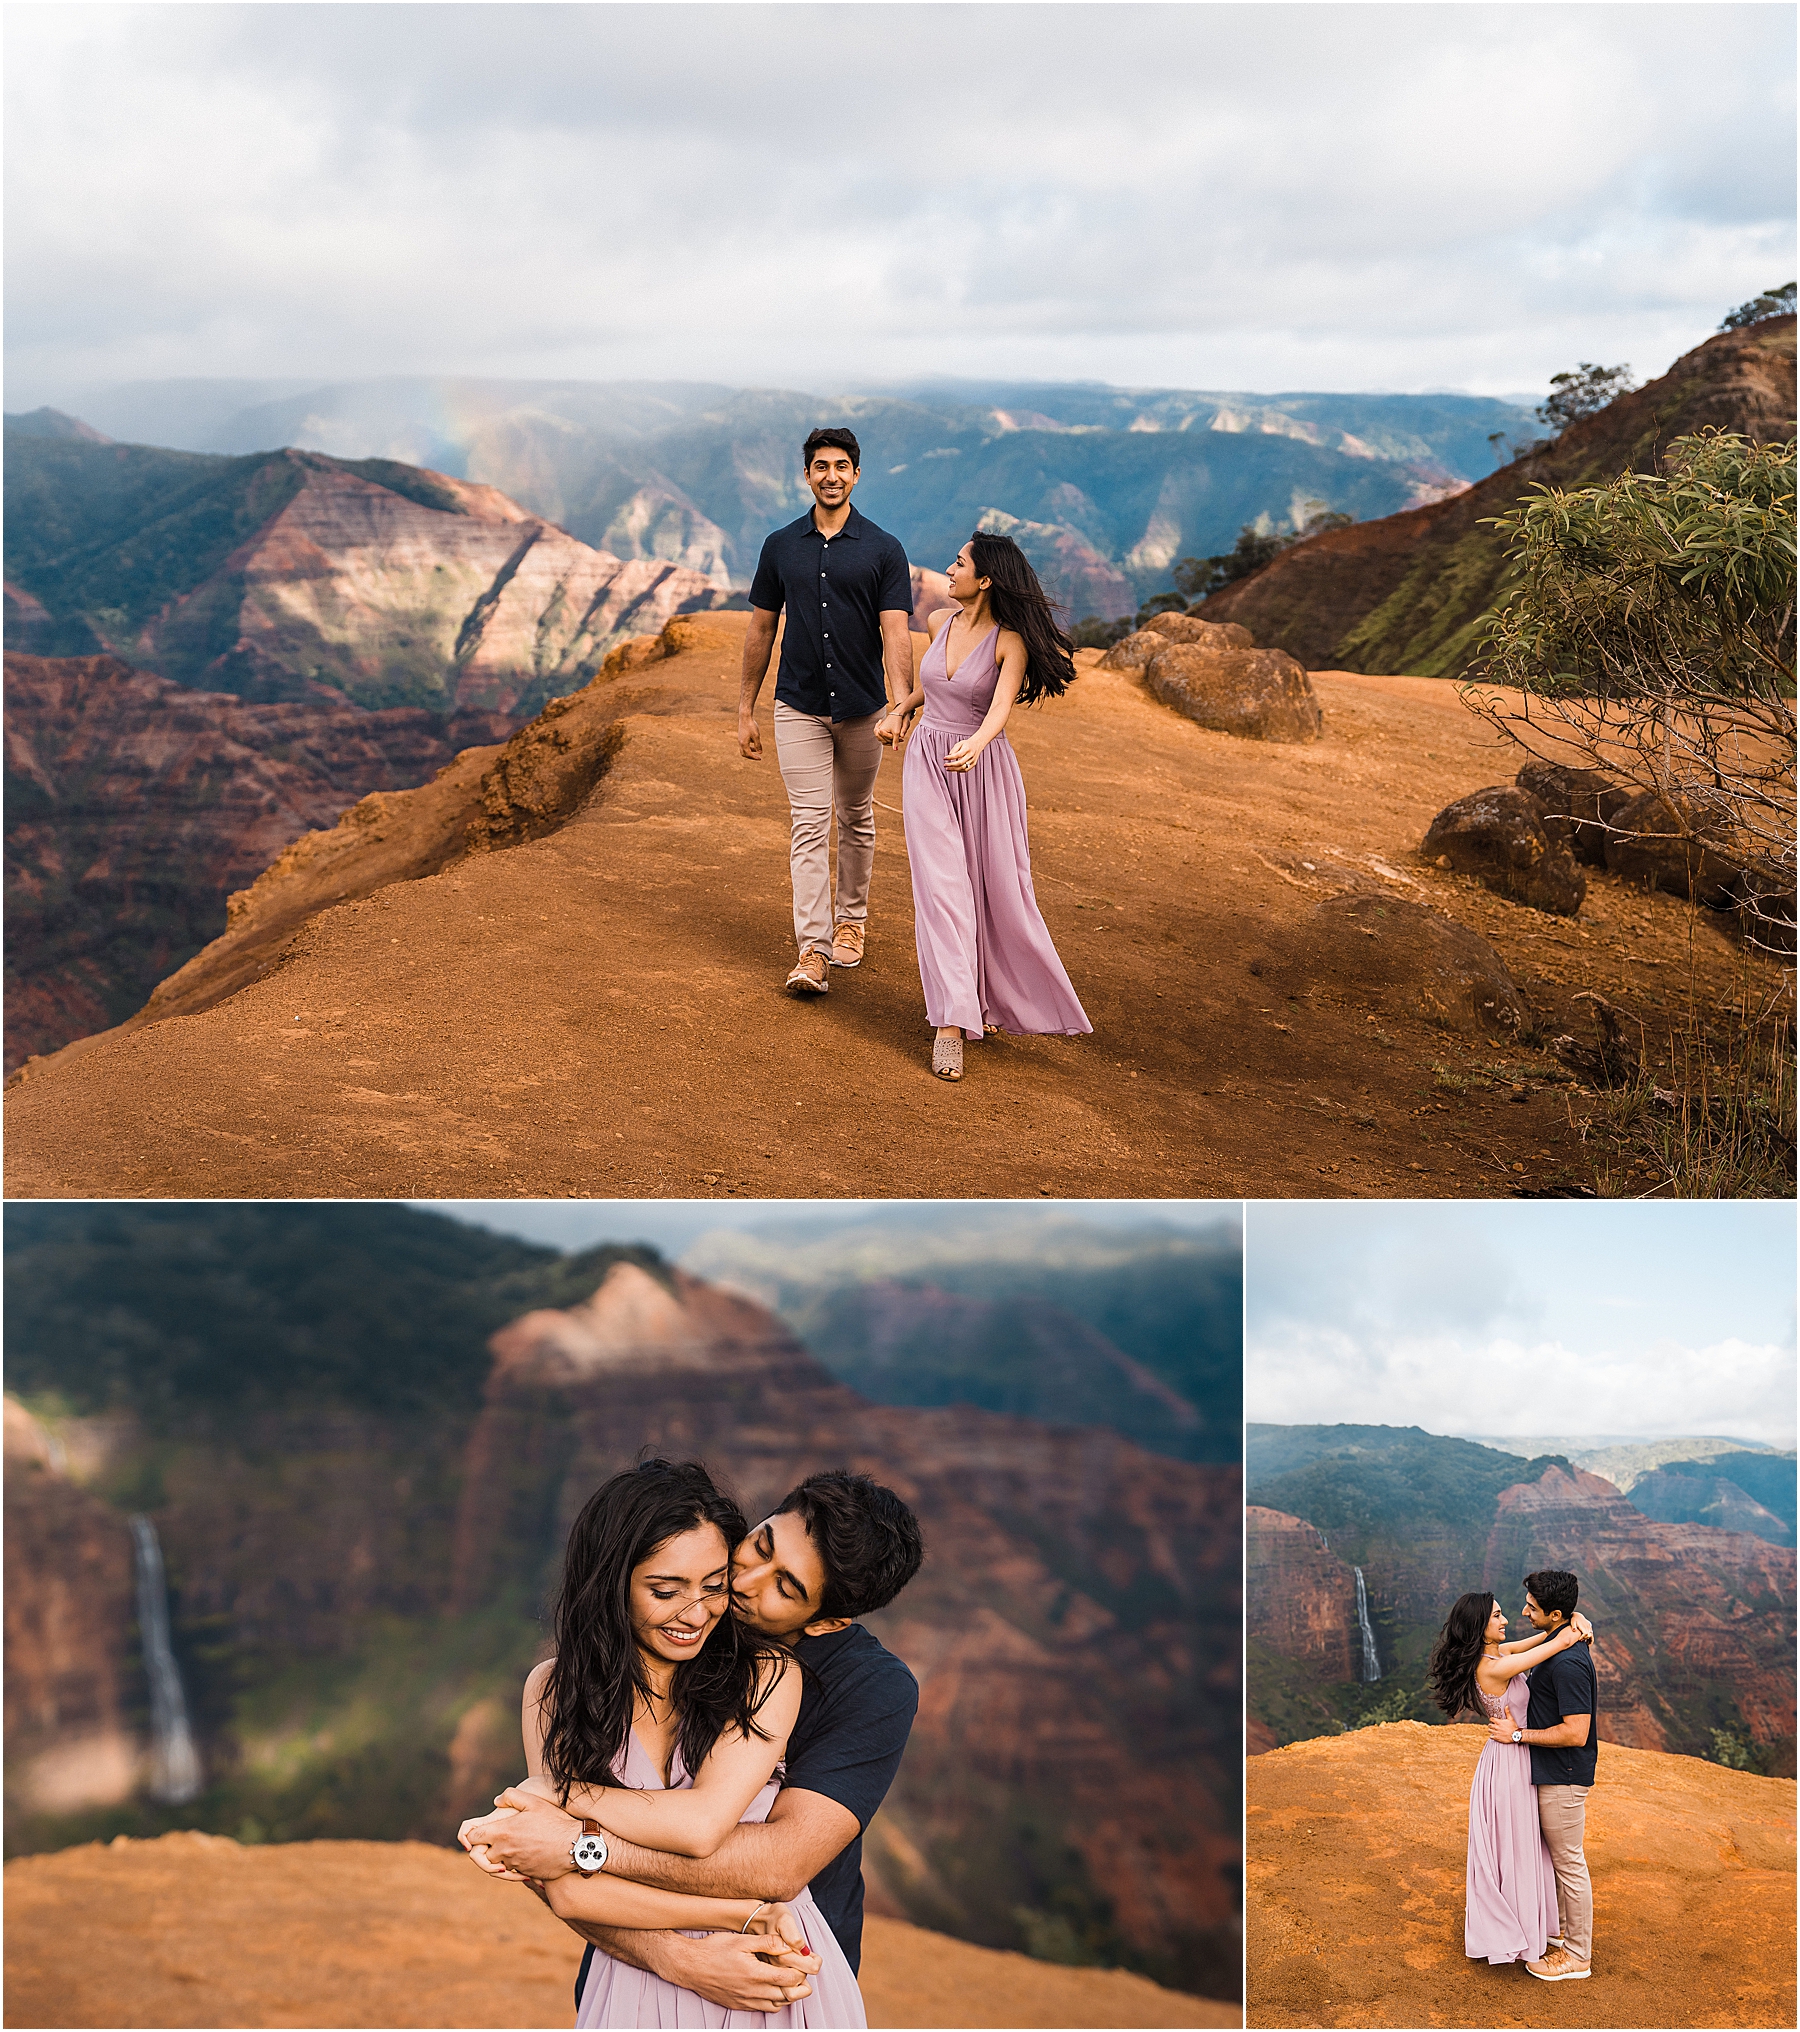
[1223, 195]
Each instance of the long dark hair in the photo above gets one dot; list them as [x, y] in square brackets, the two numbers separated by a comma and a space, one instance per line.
[598, 1672]
[1018, 602]
[1451, 1674]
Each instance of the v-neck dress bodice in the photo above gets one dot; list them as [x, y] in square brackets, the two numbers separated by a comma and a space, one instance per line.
[616, 1994]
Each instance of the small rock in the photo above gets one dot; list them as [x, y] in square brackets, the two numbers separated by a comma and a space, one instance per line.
[1585, 801]
[1259, 694]
[1499, 836]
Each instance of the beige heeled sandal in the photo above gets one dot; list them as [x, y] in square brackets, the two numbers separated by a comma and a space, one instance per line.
[946, 1057]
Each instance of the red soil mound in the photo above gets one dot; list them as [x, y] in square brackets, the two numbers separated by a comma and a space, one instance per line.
[1357, 1846]
[194, 1930]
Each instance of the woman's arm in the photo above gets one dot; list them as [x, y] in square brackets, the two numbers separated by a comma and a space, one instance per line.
[602, 1900]
[1510, 1666]
[892, 723]
[967, 752]
[696, 1819]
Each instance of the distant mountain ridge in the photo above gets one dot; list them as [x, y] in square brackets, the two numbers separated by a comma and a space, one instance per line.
[273, 575]
[1125, 480]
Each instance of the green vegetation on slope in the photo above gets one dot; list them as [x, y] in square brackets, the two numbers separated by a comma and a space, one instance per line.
[180, 1310]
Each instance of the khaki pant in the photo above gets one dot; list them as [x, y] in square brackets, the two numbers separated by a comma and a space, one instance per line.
[1562, 1814]
[828, 765]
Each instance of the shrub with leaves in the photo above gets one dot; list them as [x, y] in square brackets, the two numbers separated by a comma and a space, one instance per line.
[1650, 630]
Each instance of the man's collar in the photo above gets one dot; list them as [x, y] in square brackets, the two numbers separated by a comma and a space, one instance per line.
[852, 526]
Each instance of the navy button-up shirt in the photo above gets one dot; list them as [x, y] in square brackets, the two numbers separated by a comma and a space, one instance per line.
[835, 591]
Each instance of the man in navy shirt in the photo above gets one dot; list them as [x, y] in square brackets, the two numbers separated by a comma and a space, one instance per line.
[839, 1546]
[846, 654]
[1562, 1720]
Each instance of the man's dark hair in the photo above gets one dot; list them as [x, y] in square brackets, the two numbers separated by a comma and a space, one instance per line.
[868, 1539]
[844, 440]
[1556, 1593]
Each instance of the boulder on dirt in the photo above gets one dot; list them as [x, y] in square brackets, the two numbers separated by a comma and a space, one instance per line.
[1653, 845]
[1136, 650]
[1260, 694]
[1763, 900]
[1378, 952]
[1504, 838]
[1583, 799]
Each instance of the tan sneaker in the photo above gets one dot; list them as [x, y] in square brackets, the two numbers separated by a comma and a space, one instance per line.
[809, 978]
[1559, 1966]
[847, 945]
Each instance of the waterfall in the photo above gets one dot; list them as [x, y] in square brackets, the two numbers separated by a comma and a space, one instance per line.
[174, 1762]
[1371, 1663]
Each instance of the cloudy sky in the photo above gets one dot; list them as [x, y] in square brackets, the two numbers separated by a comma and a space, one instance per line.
[1634, 1321]
[1257, 196]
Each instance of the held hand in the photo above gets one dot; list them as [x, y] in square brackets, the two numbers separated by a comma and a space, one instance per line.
[736, 1971]
[1501, 1728]
[776, 1925]
[525, 1836]
[749, 738]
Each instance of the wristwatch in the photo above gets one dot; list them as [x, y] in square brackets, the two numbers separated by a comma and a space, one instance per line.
[588, 1850]
[1518, 1737]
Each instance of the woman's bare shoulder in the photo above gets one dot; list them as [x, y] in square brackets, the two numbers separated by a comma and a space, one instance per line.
[537, 1679]
[937, 617]
[1008, 641]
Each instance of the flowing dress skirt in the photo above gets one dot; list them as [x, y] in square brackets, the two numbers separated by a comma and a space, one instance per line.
[1509, 1910]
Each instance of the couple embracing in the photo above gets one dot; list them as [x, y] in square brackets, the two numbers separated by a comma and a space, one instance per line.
[845, 690]
[707, 1746]
[1528, 1895]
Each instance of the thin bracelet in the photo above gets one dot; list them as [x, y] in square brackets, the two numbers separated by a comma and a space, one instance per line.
[745, 1928]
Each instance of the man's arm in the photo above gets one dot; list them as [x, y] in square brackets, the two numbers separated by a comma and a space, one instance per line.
[1571, 1733]
[725, 1968]
[896, 653]
[759, 640]
[771, 1859]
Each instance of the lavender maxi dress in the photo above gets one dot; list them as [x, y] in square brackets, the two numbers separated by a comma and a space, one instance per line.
[985, 954]
[618, 1994]
[1510, 1912]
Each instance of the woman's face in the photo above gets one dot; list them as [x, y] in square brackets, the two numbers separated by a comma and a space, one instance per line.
[1496, 1625]
[680, 1592]
[966, 583]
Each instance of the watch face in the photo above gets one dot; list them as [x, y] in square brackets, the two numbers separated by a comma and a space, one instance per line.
[590, 1852]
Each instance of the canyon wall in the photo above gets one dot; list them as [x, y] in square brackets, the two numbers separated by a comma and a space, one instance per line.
[135, 805]
[1300, 1598]
[1695, 1624]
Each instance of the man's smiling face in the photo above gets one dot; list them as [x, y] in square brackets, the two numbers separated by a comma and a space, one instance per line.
[778, 1578]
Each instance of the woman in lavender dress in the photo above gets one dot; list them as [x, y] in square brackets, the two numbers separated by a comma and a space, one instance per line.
[1509, 1912]
[676, 1716]
[985, 955]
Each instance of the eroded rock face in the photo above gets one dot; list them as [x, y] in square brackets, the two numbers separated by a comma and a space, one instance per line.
[1681, 1610]
[1583, 800]
[1260, 694]
[1378, 952]
[1503, 837]
[70, 1628]
[1300, 1598]
[134, 806]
